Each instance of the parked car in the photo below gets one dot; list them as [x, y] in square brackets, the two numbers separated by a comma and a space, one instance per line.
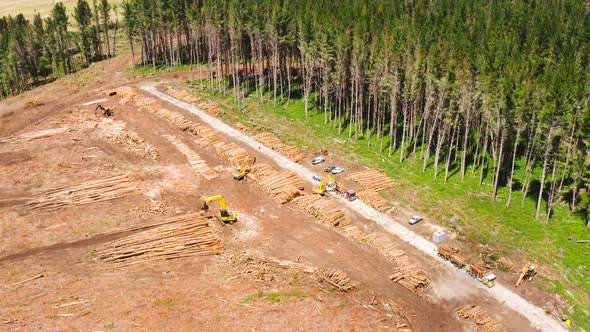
[317, 160]
[329, 169]
[337, 170]
[414, 220]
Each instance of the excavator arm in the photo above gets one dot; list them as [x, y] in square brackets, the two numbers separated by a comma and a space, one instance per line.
[528, 272]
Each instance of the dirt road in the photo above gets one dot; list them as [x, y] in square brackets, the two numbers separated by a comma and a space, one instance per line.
[536, 315]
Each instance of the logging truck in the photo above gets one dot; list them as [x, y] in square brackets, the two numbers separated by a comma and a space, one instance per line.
[479, 273]
[451, 254]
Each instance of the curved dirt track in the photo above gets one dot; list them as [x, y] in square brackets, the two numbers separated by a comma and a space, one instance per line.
[534, 314]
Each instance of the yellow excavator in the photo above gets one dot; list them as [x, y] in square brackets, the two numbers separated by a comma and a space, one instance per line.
[320, 188]
[528, 272]
[241, 172]
[225, 216]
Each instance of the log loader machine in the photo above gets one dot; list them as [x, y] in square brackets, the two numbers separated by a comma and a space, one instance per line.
[241, 172]
[320, 188]
[528, 272]
[225, 216]
[100, 110]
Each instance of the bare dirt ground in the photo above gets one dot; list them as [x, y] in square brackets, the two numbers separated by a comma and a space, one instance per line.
[61, 144]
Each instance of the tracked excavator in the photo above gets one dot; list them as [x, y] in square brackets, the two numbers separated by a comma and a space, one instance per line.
[225, 216]
[241, 172]
[528, 272]
[100, 110]
[320, 188]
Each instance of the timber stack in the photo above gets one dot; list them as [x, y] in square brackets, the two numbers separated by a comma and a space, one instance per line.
[231, 152]
[187, 235]
[283, 186]
[480, 317]
[211, 108]
[271, 141]
[372, 198]
[336, 278]
[372, 179]
[84, 193]
[324, 209]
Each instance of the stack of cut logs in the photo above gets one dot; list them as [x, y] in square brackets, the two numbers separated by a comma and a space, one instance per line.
[84, 193]
[31, 136]
[480, 317]
[183, 95]
[241, 127]
[197, 163]
[372, 179]
[271, 141]
[336, 278]
[211, 108]
[283, 186]
[372, 198]
[405, 273]
[126, 93]
[187, 235]
[324, 209]
[231, 152]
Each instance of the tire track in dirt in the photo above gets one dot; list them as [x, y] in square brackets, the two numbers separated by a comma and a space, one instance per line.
[534, 314]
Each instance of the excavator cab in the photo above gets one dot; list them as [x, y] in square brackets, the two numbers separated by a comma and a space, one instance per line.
[225, 216]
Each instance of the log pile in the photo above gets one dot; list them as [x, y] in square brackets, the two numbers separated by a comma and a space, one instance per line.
[336, 278]
[405, 273]
[241, 127]
[480, 317]
[84, 193]
[283, 186]
[183, 95]
[211, 108]
[506, 263]
[33, 135]
[131, 141]
[372, 179]
[271, 141]
[231, 152]
[263, 268]
[260, 171]
[187, 235]
[373, 198]
[126, 93]
[324, 209]
[197, 163]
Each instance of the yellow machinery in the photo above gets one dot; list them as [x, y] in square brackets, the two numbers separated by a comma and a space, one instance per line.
[241, 172]
[321, 187]
[225, 215]
[528, 272]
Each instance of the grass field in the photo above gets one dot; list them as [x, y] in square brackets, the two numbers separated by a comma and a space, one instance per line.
[30, 7]
[461, 205]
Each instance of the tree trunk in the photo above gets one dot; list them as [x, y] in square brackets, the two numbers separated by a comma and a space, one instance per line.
[542, 186]
[511, 180]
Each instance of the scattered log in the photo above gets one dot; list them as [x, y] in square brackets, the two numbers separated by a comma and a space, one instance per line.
[480, 317]
[24, 281]
[506, 263]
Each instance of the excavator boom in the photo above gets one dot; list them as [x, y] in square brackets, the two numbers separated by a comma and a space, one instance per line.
[244, 169]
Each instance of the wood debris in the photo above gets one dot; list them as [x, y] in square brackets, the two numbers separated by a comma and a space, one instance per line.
[336, 278]
[231, 152]
[181, 236]
[84, 193]
[373, 198]
[32, 135]
[372, 179]
[506, 263]
[405, 273]
[323, 208]
[197, 163]
[211, 108]
[263, 268]
[480, 317]
[271, 141]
